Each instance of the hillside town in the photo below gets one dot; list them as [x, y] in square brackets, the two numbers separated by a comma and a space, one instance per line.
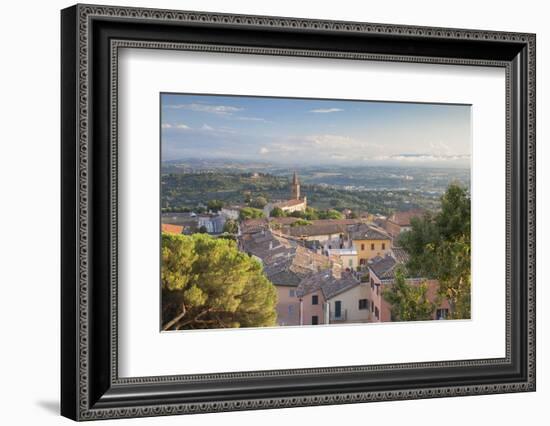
[325, 271]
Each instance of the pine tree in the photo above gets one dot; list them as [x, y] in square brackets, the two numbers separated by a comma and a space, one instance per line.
[208, 283]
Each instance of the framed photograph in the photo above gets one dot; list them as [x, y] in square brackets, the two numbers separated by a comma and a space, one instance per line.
[263, 212]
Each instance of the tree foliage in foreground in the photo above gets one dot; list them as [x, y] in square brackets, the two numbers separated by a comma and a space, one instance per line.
[208, 283]
[439, 247]
[409, 302]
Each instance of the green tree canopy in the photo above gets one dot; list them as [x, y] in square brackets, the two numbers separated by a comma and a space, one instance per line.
[208, 283]
[310, 214]
[250, 213]
[230, 226]
[258, 202]
[439, 247]
[277, 212]
[215, 205]
[409, 302]
[300, 222]
[331, 214]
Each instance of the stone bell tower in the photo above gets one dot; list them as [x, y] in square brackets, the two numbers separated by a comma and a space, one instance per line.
[295, 187]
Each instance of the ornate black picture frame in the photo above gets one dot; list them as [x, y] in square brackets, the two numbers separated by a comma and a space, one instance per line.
[91, 37]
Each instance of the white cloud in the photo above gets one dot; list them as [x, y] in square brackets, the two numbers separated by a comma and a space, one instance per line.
[223, 130]
[338, 157]
[326, 110]
[420, 158]
[213, 109]
[243, 118]
[329, 140]
[180, 126]
[264, 150]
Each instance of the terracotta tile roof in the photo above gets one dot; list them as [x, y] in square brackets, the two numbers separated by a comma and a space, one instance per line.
[266, 246]
[368, 232]
[288, 203]
[400, 254]
[283, 220]
[306, 260]
[284, 261]
[171, 229]
[336, 286]
[316, 229]
[380, 222]
[281, 274]
[404, 218]
[322, 227]
[337, 221]
[383, 267]
[253, 225]
[327, 283]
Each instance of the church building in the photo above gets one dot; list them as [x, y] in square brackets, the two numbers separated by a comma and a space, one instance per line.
[296, 203]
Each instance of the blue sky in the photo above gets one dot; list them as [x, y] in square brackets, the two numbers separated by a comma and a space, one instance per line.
[291, 131]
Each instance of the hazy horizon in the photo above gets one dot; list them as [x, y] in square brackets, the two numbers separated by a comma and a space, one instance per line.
[312, 132]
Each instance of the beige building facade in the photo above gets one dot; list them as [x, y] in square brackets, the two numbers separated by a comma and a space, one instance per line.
[349, 306]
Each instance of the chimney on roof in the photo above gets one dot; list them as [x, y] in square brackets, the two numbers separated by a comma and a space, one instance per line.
[336, 270]
[271, 245]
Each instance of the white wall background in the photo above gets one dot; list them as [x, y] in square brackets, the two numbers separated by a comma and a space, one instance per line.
[29, 214]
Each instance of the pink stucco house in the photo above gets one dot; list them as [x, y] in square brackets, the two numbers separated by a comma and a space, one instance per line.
[333, 297]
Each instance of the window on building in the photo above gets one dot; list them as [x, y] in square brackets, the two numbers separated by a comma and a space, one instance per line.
[378, 289]
[362, 246]
[372, 305]
[338, 309]
[441, 314]
[314, 299]
[363, 304]
[314, 320]
[290, 310]
[376, 313]
[383, 246]
[372, 246]
[292, 293]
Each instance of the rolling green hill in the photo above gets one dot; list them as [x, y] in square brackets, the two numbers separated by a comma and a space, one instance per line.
[189, 190]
